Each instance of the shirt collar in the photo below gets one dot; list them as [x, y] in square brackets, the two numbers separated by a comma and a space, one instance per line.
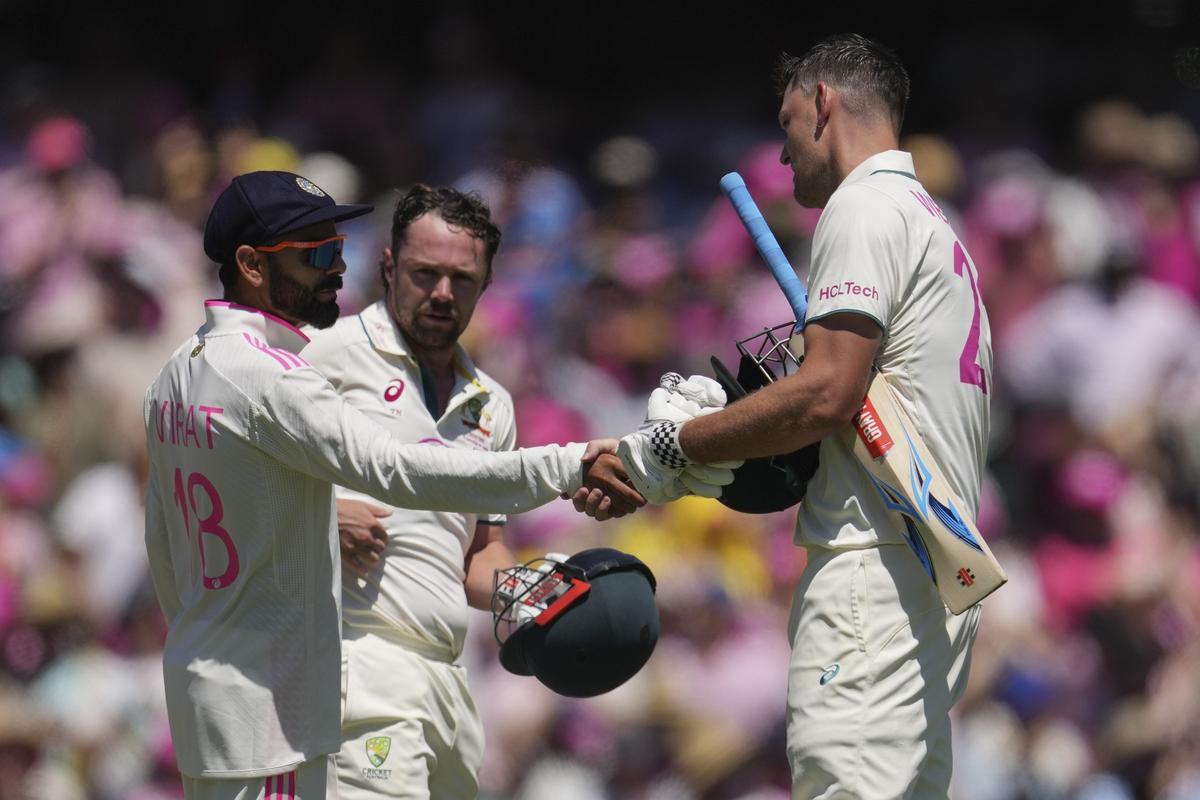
[223, 318]
[888, 160]
[385, 336]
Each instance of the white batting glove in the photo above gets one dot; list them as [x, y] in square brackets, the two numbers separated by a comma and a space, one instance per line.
[653, 461]
[706, 480]
[700, 389]
[700, 395]
[661, 472]
[652, 457]
[678, 399]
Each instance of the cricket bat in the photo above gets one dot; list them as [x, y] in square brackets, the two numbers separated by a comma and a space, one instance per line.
[932, 518]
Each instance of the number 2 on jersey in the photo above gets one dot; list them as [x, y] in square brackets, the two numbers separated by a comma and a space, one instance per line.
[969, 369]
[210, 525]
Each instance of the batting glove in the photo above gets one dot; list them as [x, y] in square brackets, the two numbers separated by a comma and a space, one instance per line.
[679, 400]
[652, 457]
[660, 471]
[653, 461]
[702, 390]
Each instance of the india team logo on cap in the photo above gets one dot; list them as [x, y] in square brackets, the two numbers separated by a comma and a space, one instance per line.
[378, 748]
[309, 186]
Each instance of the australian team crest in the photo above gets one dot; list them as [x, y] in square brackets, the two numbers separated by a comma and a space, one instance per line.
[474, 410]
[378, 748]
[473, 415]
[309, 186]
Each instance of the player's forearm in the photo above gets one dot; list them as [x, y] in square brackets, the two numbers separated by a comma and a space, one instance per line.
[780, 418]
[480, 568]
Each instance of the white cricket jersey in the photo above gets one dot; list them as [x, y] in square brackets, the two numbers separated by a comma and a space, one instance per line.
[883, 248]
[245, 442]
[416, 594]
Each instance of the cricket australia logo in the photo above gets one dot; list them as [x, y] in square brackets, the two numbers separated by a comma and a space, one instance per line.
[473, 416]
[378, 748]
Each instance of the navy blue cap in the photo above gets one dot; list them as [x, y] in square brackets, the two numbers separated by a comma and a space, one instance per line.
[260, 206]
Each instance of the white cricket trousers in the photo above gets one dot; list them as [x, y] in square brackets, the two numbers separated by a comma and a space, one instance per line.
[410, 728]
[312, 780]
[877, 663]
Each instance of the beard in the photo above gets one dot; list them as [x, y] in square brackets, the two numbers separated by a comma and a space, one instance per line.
[300, 302]
[430, 338]
[813, 188]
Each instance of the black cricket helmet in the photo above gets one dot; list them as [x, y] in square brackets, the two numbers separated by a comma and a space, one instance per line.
[582, 626]
[763, 485]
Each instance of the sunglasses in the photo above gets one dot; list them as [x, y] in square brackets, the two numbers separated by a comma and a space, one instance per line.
[322, 255]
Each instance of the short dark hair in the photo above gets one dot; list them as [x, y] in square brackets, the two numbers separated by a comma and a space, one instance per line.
[228, 275]
[867, 73]
[459, 209]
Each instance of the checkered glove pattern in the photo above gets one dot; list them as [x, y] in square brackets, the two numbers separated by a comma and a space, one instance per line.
[664, 445]
[653, 458]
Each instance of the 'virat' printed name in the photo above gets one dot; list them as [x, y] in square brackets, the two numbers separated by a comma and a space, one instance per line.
[180, 420]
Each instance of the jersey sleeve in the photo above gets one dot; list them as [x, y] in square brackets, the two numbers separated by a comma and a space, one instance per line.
[858, 255]
[505, 439]
[326, 352]
[303, 422]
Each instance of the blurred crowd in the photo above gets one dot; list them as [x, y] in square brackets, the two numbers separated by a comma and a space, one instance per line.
[614, 269]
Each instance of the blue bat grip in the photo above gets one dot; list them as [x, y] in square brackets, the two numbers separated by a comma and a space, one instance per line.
[735, 188]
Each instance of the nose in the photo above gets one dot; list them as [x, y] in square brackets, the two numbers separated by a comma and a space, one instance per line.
[442, 289]
[338, 267]
[784, 158]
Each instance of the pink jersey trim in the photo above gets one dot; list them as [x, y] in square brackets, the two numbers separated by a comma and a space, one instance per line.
[267, 314]
[286, 358]
[280, 787]
[261, 346]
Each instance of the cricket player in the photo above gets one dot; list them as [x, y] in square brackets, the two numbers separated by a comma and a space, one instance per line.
[245, 441]
[410, 728]
[877, 660]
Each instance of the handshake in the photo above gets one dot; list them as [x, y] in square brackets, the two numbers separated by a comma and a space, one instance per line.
[652, 456]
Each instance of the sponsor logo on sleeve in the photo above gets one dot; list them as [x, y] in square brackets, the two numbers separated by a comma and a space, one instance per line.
[848, 289]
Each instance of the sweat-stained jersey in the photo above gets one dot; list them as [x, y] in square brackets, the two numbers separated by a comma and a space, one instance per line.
[416, 594]
[245, 442]
[884, 249]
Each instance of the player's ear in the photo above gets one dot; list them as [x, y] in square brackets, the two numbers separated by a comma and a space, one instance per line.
[249, 265]
[387, 266]
[823, 97]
